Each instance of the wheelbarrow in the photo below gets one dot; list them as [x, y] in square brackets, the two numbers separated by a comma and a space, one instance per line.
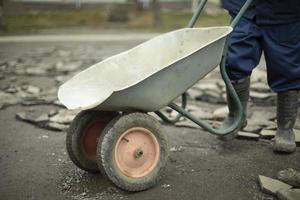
[113, 133]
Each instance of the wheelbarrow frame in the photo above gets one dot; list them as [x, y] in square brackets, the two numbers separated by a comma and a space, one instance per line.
[239, 114]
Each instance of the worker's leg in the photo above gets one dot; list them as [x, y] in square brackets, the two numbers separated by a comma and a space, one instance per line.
[243, 56]
[281, 44]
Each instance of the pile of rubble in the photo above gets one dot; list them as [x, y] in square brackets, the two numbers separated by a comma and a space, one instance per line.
[287, 187]
[57, 63]
[57, 120]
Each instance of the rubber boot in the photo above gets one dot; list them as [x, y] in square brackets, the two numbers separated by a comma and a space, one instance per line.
[242, 89]
[287, 107]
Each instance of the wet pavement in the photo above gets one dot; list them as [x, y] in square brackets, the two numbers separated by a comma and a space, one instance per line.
[33, 159]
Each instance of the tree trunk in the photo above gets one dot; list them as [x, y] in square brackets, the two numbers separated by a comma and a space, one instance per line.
[138, 6]
[156, 13]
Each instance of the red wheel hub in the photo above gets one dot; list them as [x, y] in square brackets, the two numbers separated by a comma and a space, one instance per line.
[90, 135]
[137, 152]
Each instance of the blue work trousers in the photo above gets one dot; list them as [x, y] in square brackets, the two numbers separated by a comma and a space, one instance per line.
[281, 46]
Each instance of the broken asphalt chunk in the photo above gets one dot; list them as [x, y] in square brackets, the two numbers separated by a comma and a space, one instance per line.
[7, 99]
[56, 126]
[252, 128]
[291, 194]
[290, 176]
[267, 133]
[64, 116]
[221, 113]
[271, 186]
[32, 117]
[247, 135]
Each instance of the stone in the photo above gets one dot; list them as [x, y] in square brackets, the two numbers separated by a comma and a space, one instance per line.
[290, 176]
[260, 95]
[252, 128]
[33, 89]
[56, 126]
[291, 194]
[57, 103]
[63, 53]
[260, 87]
[11, 89]
[265, 113]
[12, 63]
[32, 117]
[193, 93]
[214, 124]
[64, 116]
[36, 71]
[166, 186]
[175, 149]
[199, 112]
[52, 113]
[259, 119]
[42, 118]
[221, 84]
[263, 98]
[267, 133]
[202, 114]
[210, 96]
[12, 79]
[258, 75]
[297, 124]
[168, 110]
[7, 99]
[207, 86]
[271, 127]
[38, 100]
[271, 186]
[186, 123]
[247, 135]
[297, 135]
[67, 67]
[221, 113]
[61, 79]
[42, 51]
[3, 67]
[171, 114]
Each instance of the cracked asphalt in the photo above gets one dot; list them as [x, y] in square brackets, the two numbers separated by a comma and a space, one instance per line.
[34, 163]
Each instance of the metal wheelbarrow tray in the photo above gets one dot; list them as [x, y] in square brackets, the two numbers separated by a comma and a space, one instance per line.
[113, 133]
[148, 76]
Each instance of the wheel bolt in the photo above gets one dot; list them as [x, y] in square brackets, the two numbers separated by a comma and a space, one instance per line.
[138, 153]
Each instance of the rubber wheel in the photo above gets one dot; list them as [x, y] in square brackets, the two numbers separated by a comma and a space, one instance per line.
[82, 138]
[132, 151]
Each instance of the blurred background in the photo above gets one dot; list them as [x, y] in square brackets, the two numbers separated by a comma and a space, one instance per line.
[29, 16]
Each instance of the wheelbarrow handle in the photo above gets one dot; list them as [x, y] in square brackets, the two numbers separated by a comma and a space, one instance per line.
[238, 108]
[197, 13]
[240, 14]
[233, 24]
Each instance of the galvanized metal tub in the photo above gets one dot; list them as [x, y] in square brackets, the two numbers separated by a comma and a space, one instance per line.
[148, 76]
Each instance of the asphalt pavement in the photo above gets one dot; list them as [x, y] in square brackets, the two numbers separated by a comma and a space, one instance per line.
[34, 163]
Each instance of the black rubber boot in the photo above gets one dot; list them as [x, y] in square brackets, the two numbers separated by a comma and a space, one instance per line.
[242, 89]
[287, 107]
